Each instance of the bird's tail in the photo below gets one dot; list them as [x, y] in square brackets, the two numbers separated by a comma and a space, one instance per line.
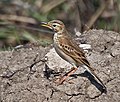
[91, 71]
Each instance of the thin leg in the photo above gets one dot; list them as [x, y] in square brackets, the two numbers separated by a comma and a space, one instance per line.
[63, 78]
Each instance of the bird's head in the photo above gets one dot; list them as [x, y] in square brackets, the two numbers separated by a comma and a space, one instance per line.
[55, 25]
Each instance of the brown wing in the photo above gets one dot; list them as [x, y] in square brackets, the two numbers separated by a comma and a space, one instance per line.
[71, 48]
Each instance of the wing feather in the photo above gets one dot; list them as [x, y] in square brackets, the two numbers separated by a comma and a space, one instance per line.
[73, 50]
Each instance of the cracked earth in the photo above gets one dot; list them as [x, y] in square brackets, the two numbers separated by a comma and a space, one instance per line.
[26, 75]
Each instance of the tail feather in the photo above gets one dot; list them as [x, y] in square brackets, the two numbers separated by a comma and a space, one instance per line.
[89, 69]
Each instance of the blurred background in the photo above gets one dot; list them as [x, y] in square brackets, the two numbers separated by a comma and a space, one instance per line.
[20, 19]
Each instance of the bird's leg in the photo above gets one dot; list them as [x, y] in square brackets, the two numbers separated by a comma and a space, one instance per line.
[63, 78]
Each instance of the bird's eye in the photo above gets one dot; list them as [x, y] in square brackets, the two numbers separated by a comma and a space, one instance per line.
[54, 25]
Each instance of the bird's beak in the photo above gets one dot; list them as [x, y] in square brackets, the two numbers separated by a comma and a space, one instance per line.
[44, 24]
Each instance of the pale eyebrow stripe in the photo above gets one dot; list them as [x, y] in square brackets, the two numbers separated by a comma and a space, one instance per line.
[57, 23]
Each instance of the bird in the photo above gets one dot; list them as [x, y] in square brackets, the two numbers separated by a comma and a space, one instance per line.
[69, 50]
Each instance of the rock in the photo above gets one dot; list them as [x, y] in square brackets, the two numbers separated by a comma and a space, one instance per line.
[25, 76]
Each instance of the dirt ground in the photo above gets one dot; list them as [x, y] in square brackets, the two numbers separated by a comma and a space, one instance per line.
[26, 75]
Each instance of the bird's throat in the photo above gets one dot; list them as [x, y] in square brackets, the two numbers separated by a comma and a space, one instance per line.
[57, 37]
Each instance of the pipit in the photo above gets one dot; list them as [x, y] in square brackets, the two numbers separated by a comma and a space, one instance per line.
[68, 49]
